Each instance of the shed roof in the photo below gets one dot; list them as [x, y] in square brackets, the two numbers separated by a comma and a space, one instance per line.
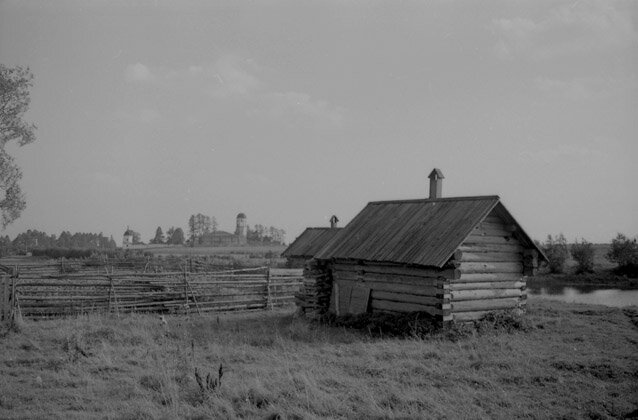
[310, 241]
[421, 232]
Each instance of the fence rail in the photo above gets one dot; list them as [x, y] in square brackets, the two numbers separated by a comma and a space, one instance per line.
[53, 293]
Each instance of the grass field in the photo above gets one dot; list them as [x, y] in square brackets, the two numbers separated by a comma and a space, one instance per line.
[575, 362]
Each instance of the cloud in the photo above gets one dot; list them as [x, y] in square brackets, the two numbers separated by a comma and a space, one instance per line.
[236, 78]
[138, 72]
[573, 28]
[232, 79]
[278, 105]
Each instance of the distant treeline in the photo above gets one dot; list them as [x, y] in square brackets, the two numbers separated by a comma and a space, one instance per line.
[34, 241]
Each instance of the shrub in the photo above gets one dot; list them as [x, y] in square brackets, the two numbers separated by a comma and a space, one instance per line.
[583, 253]
[556, 252]
[624, 252]
[57, 253]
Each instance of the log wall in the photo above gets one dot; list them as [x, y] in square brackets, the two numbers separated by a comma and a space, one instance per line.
[492, 264]
[391, 288]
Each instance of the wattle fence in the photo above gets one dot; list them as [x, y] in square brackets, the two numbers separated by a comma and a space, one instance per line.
[47, 290]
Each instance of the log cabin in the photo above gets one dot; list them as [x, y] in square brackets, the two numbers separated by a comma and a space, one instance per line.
[454, 258]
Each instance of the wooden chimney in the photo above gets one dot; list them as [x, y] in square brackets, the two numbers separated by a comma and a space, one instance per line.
[333, 221]
[436, 182]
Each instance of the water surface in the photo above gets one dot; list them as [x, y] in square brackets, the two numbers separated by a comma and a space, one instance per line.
[585, 294]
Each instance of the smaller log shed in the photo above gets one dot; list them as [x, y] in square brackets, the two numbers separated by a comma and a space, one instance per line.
[455, 258]
[306, 245]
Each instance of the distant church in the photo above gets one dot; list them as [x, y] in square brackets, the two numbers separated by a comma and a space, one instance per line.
[221, 238]
[127, 238]
[217, 238]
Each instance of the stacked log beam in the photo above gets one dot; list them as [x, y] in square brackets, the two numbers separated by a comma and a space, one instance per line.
[313, 300]
[493, 265]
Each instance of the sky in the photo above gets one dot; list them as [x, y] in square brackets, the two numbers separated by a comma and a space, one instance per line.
[292, 111]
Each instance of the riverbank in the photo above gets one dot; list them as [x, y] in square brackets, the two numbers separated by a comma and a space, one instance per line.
[575, 361]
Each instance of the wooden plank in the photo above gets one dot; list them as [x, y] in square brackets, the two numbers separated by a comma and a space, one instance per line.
[404, 297]
[484, 305]
[396, 287]
[334, 299]
[461, 295]
[492, 257]
[483, 247]
[488, 285]
[345, 291]
[387, 305]
[336, 291]
[399, 270]
[488, 239]
[491, 229]
[390, 278]
[490, 277]
[297, 272]
[359, 299]
[491, 267]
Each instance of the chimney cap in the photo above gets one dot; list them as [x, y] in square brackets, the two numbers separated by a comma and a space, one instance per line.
[436, 174]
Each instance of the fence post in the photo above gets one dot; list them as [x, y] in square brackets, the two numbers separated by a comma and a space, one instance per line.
[268, 297]
[16, 313]
[186, 308]
[4, 298]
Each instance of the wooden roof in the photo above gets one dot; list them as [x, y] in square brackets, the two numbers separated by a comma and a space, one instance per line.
[421, 232]
[309, 242]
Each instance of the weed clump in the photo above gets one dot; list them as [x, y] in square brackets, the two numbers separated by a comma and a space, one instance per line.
[423, 325]
[504, 321]
[412, 324]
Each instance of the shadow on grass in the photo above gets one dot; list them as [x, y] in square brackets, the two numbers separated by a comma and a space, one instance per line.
[422, 325]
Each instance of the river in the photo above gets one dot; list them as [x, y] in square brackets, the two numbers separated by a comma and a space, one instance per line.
[585, 294]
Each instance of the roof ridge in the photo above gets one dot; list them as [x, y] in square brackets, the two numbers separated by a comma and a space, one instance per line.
[323, 227]
[432, 200]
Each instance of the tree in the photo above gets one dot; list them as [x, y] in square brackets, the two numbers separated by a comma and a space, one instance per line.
[14, 102]
[583, 253]
[556, 252]
[137, 238]
[159, 236]
[198, 226]
[623, 251]
[177, 236]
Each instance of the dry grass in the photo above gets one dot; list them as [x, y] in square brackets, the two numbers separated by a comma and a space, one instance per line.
[576, 362]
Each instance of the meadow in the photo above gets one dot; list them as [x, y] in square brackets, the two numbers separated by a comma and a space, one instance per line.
[570, 361]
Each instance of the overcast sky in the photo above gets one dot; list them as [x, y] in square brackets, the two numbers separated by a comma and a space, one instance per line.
[291, 111]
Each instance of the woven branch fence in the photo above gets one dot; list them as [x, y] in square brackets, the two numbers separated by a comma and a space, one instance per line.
[38, 293]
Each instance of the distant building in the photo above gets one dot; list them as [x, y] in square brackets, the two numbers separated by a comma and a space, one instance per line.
[241, 229]
[127, 238]
[221, 238]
